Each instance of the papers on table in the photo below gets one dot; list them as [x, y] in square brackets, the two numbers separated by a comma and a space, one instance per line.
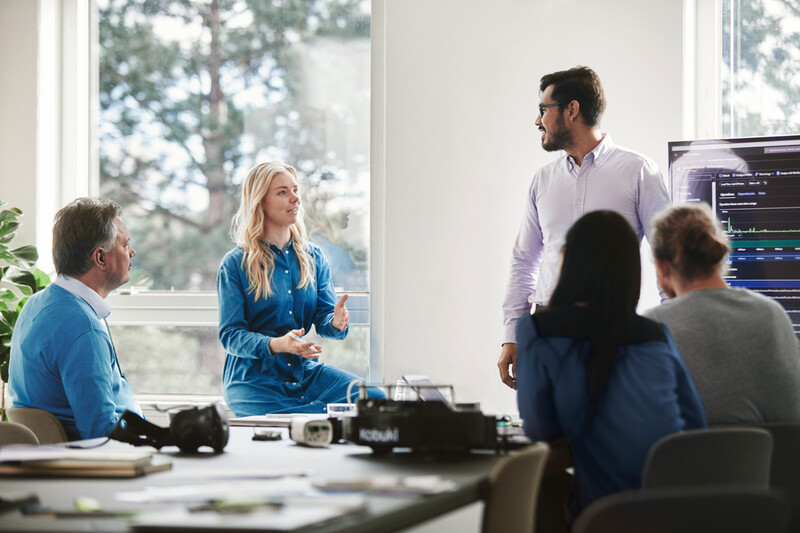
[276, 505]
[58, 461]
[406, 485]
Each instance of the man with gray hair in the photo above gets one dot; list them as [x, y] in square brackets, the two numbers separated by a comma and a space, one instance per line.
[62, 358]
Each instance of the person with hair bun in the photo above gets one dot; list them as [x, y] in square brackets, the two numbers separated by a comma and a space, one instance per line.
[271, 288]
[739, 345]
[593, 372]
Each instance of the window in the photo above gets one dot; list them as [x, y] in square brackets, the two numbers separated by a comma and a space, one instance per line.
[191, 96]
[760, 67]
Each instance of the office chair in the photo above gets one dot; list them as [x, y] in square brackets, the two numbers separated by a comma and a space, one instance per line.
[45, 425]
[513, 490]
[13, 433]
[719, 456]
[686, 510]
[785, 470]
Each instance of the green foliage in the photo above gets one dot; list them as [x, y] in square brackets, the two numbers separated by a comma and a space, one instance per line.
[761, 59]
[18, 280]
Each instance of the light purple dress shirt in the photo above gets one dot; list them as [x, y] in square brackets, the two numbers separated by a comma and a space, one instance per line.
[612, 178]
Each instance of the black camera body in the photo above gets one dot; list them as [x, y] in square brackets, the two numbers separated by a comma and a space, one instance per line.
[419, 425]
[189, 429]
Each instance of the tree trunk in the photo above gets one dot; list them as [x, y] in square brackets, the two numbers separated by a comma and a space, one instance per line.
[212, 139]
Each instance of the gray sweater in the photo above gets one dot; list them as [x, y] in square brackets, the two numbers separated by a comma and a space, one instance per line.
[741, 351]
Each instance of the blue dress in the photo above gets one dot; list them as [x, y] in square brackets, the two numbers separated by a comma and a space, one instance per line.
[256, 381]
[649, 394]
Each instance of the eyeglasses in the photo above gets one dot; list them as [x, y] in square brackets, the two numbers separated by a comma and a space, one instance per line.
[542, 107]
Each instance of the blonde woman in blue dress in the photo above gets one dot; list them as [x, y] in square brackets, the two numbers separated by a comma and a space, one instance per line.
[272, 287]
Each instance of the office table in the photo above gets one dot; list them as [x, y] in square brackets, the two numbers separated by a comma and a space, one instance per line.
[383, 513]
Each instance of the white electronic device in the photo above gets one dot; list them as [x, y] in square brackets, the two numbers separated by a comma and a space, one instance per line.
[311, 432]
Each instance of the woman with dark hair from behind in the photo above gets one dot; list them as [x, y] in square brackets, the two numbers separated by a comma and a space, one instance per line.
[739, 345]
[594, 372]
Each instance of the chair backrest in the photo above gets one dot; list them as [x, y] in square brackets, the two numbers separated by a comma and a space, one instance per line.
[719, 456]
[45, 425]
[686, 510]
[13, 433]
[785, 469]
[513, 489]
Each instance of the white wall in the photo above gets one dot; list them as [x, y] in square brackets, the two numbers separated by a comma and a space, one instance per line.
[461, 95]
[18, 58]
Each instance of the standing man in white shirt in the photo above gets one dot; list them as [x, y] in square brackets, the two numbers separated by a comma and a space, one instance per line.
[594, 173]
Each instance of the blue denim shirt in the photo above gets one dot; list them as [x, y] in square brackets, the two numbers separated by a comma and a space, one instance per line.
[246, 325]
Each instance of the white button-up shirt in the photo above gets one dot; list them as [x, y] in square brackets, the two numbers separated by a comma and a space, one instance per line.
[612, 178]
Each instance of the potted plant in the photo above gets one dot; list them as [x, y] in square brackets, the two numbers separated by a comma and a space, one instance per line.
[19, 278]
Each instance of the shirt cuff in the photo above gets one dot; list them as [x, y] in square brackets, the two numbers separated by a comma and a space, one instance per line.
[266, 347]
[509, 333]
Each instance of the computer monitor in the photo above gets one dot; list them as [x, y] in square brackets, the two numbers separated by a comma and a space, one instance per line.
[753, 185]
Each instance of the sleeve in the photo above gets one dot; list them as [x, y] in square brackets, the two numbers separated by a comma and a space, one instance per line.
[535, 395]
[691, 407]
[326, 300]
[653, 197]
[86, 374]
[526, 257]
[234, 332]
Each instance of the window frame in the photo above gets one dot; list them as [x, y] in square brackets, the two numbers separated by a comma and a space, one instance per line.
[75, 172]
[702, 58]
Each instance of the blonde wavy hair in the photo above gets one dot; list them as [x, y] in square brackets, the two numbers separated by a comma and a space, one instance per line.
[248, 225]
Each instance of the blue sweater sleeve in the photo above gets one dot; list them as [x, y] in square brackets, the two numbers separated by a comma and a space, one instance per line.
[326, 300]
[534, 386]
[87, 372]
[234, 331]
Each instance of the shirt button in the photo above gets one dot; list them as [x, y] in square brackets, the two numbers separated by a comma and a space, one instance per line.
[286, 251]
[302, 397]
[288, 364]
[290, 312]
[285, 271]
[290, 291]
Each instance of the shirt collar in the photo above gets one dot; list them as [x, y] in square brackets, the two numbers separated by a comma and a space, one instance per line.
[84, 292]
[275, 248]
[597, 155]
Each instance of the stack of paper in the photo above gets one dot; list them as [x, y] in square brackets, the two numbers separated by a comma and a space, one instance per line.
[60, 461]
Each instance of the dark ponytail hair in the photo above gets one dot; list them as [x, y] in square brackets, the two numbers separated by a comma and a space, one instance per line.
[690, 238]
[601, 273]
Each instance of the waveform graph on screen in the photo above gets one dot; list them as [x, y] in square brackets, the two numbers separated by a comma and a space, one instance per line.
[771, 224]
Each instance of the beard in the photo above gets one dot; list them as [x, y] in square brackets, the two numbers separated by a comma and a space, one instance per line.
[559, 139]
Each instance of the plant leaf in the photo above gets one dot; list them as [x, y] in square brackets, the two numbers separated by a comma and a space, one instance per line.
[24, 277]
[8, 226]
[10, 258]
[42, 279]
[26, 253]
[10, 214]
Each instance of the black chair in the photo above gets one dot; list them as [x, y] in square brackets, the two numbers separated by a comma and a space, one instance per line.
[785, 470]
[686, 510]
[719, 456]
